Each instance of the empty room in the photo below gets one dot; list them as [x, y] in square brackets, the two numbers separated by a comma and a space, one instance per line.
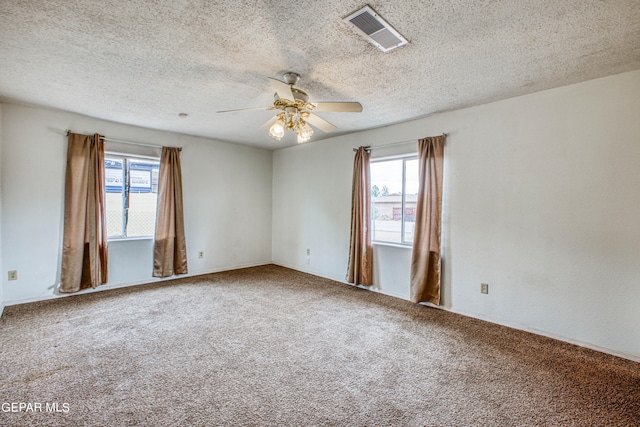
[331, 213]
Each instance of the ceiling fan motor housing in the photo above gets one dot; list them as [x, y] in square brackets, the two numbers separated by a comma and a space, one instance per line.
[291, 78]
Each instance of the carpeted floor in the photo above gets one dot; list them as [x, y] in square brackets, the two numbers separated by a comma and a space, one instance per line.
[270, 346]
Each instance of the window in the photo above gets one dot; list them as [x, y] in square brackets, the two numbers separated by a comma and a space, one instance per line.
[132, 195]
[394, 191]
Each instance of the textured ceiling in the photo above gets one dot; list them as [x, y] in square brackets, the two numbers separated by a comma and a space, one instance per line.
[143, 62]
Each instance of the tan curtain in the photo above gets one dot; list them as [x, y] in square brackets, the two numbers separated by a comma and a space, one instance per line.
[425, 258]
[360, 269]
[84, 241]
[170, 247]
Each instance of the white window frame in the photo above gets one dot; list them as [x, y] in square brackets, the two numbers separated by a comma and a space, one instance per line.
[404, 158]
[127, 156]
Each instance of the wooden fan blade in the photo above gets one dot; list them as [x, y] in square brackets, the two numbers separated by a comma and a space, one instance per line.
[341, 107]
[271, 121]
[320, 123]
[282, 89]
[247, 109]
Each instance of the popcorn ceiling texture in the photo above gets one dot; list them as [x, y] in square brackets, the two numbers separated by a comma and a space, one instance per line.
[143, 62]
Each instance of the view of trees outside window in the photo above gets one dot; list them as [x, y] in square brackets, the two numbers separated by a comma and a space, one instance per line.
[394, 191]
[131, 196]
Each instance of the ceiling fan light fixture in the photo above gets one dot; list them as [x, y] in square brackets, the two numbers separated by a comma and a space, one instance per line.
[301, 128]
[296, 112]
[301, 139]
[276, 131]
[305, 131]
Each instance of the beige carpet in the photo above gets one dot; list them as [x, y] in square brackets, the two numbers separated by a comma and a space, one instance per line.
[271, 346]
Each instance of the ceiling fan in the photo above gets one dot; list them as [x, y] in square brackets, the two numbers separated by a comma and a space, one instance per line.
[297, 113]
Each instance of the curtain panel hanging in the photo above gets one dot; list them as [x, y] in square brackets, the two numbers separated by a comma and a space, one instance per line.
[84, 241]
[360, 270]
[425, 258]
[170, 247]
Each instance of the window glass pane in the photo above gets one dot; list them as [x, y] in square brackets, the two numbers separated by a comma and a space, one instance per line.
[386, 200]
[411, 189]
[131, 196]
[143, 197]
[114, 175]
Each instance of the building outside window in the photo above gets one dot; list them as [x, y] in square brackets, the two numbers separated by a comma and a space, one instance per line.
[131, 195]
[394, 191]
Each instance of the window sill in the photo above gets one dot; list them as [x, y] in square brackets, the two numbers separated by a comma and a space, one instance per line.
[126, 239]
[393, 245]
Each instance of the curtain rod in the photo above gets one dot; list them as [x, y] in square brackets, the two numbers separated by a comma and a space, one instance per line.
[393, 143]
[130, 142]
[135, 143]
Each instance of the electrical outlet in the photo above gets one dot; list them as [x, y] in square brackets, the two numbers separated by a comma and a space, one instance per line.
[201, 254]
[484, 288]
[308, 251]
[13, 275]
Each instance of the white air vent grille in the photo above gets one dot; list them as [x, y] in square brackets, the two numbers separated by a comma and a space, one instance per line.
[375, 30]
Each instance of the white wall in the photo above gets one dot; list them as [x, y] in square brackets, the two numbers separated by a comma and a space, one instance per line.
[541, 201]
[227, 201]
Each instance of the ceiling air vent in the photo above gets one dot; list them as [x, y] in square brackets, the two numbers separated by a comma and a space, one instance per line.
[375, 30]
